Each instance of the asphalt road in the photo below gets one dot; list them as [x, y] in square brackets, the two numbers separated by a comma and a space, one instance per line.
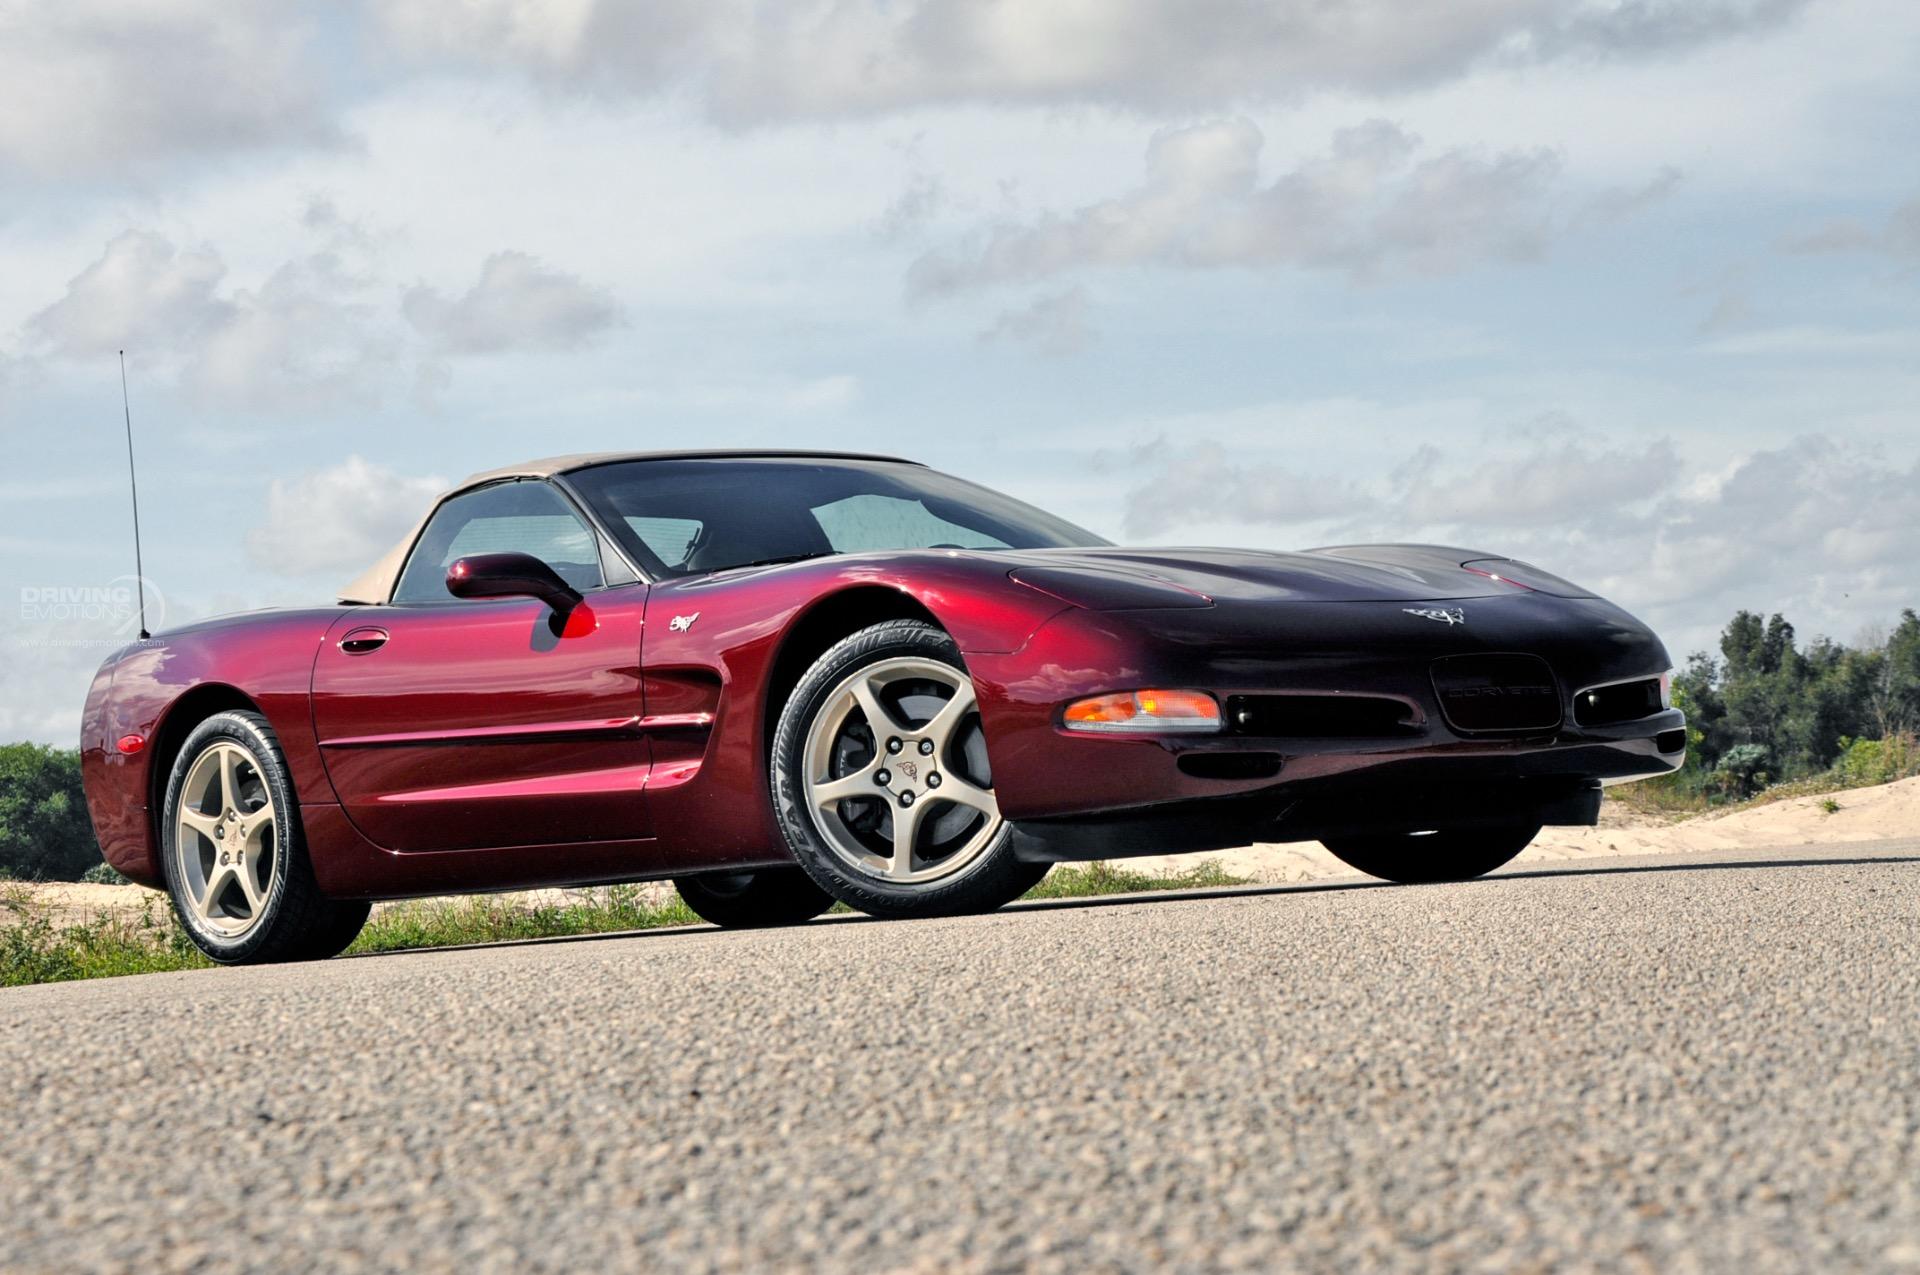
[1702, 1063]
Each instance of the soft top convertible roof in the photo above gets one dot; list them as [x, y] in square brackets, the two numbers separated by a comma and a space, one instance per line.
[374, 586]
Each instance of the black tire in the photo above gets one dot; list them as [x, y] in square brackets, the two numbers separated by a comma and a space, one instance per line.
[750, 900]
[1421, 858]
[295, 921]
[994, 876]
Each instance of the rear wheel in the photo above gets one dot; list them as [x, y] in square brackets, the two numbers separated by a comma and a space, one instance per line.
[745, 900]
[1414, 858]
[881, 781]
[233, 854]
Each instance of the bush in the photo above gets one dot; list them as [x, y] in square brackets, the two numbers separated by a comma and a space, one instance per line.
[33, 949]
[1876, 761]
[45, 834]
[1739, 774]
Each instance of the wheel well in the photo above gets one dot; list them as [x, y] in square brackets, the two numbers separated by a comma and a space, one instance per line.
[187, 712]
[825, 623]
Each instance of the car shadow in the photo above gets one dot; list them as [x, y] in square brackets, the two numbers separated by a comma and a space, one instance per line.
[1625, 867]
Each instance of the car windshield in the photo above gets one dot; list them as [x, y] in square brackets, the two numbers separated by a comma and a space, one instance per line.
[685, 517]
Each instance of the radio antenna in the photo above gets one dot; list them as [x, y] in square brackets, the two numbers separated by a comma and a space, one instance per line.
[133, 484]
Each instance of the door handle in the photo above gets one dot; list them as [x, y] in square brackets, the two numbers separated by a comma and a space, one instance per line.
[361, 641]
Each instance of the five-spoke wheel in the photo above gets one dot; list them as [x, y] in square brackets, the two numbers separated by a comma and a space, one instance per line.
[232, 852]
[896, 771]
[224, 839]
[882, 783]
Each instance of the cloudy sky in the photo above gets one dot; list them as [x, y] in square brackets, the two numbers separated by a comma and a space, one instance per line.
[1628, 287]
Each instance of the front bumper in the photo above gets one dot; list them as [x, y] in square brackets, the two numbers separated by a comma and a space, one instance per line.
[1048, 778]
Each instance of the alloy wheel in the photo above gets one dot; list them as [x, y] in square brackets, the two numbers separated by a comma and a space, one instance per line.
[897, 780]
[226, 842]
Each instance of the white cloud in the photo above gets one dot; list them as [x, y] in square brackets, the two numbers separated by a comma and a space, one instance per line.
[1375, 204]
[1206, 482]
[913, 209]
[1818, 529]
[752, 63]
[1898, 237]
[305, 338]
[517, 304]
[91, 88]
[337, 519]
[1609, 206]
[1055, 323]
[1540, 488]
[318, 331]
[142, 291]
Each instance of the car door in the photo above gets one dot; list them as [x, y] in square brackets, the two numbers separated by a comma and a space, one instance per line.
[450, 724]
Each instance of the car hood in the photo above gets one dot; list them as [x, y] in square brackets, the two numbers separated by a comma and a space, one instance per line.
[1113, 579]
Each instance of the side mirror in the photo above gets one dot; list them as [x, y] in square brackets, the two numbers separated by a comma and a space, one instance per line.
[510, 575]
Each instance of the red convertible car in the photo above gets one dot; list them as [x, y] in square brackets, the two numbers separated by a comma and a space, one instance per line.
[782, 679]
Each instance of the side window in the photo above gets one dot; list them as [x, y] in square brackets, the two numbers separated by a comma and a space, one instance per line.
[668, 539]
[519, 517]
[868, 521]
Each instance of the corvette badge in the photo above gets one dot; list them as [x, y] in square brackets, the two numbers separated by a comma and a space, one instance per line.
[681, 623]
[1445, 615]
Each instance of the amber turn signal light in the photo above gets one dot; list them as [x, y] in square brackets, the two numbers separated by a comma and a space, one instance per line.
[1151, 712]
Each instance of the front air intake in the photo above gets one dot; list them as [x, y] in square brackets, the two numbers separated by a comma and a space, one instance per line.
[1320, 716]
[1620, 702]
[1486, 693]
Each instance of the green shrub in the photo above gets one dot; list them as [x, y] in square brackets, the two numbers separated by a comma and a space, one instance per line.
[35, 950]
[1863, 762]
[1740, 772]
[45, 834]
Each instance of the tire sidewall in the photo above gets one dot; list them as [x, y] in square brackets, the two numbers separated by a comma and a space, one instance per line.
[986, 883]
[253, 734]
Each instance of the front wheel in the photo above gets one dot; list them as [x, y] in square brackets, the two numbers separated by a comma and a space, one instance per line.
[1417, 858]
[881, 782]
[233, 855]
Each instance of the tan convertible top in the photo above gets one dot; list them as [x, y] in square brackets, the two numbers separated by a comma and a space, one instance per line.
[375, 585]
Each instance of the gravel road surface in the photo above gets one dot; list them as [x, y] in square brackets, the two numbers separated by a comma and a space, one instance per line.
[1699, 1063]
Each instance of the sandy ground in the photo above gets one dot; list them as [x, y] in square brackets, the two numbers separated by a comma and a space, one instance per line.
[1865, 814]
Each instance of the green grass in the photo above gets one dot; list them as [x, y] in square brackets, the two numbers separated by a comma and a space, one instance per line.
[486, 918]
[1104, 878]
[33, 949]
